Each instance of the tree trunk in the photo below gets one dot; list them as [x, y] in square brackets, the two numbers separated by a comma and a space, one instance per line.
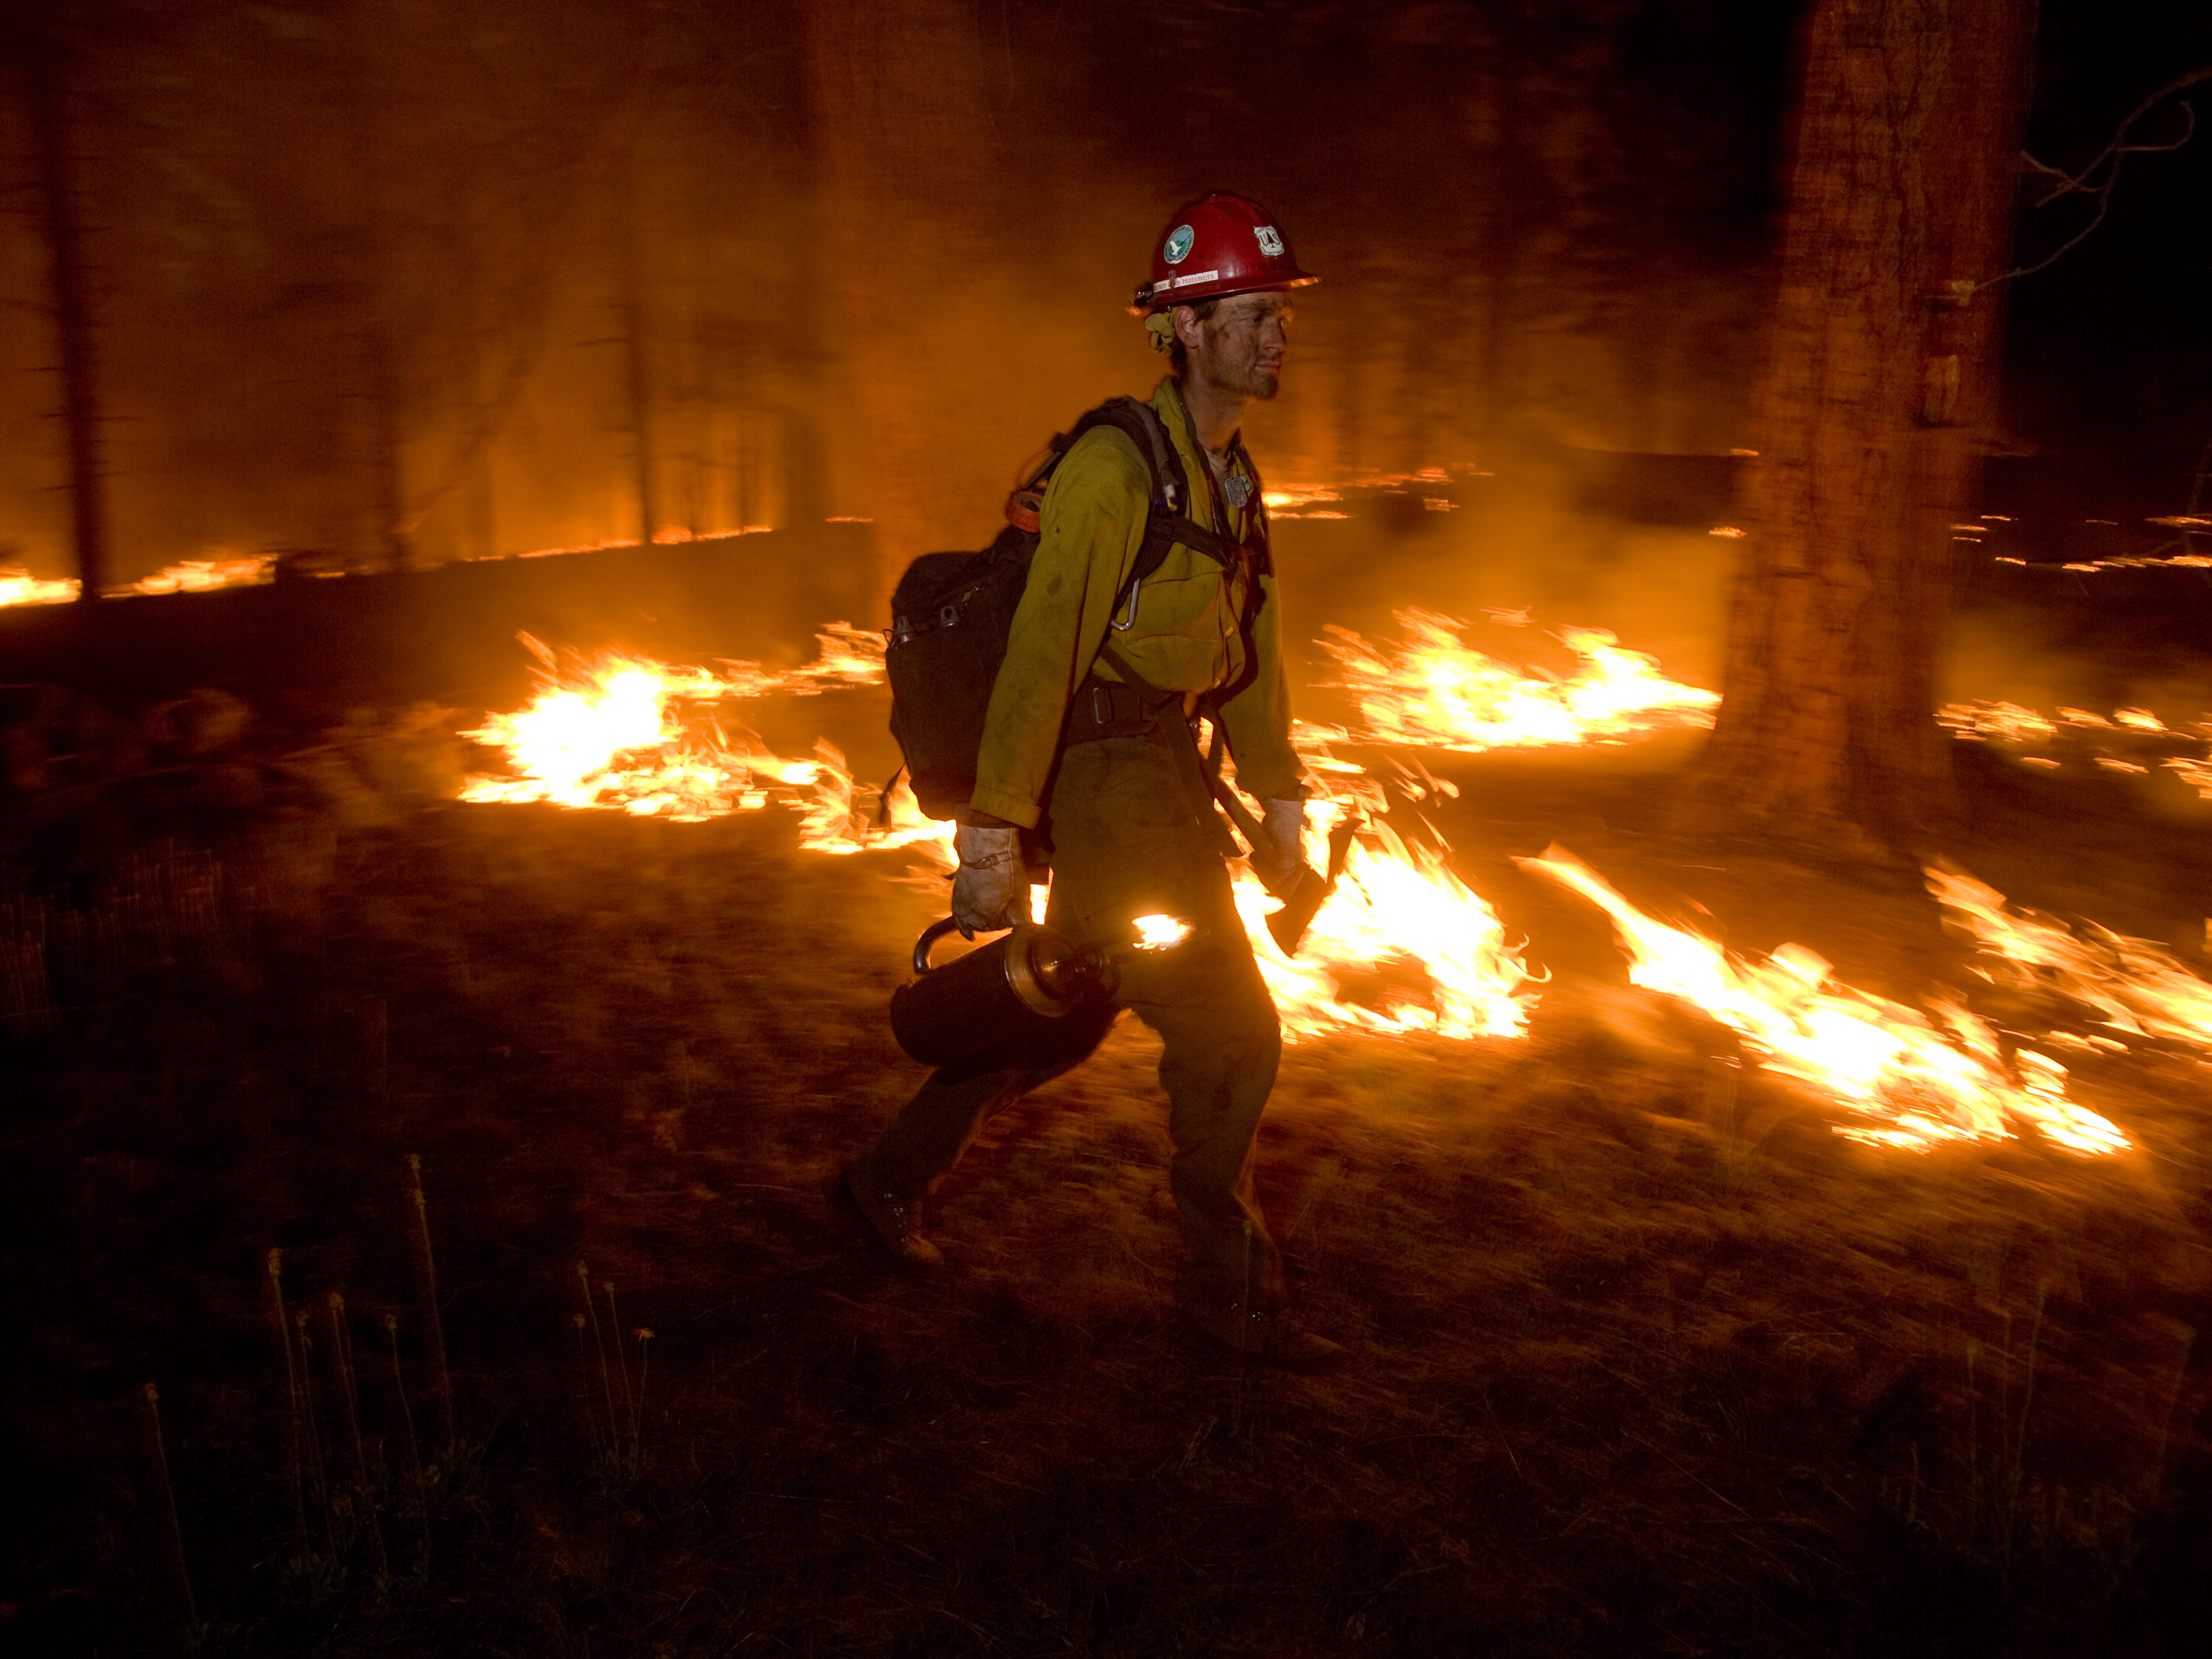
[918, 268]
[375, 339]
[44, 68]
[637, 348]
[1877, 384]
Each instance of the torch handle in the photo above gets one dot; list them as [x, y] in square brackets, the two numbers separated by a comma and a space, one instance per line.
[930, 935]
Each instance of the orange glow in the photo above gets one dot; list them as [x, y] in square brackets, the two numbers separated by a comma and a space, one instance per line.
[636, 736]
[197, 575]
[2140, 991]
[1434, 691]
[1396, 909]
[1914, 1082]
[19, 586]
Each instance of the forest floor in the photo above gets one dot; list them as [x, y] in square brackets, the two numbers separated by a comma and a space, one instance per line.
[1643, 1356]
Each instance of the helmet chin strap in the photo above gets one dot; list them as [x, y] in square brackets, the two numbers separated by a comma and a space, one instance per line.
[1159, 328]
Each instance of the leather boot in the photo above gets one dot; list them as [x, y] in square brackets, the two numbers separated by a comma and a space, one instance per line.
[890, 1222]
[1268, 1335]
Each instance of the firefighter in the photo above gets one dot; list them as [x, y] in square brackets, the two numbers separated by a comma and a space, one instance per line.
[1098, 763]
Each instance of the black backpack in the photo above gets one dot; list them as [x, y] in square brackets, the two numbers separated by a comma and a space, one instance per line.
[951, 612]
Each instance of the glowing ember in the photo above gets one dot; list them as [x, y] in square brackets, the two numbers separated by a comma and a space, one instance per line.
[19, 586]
[1159, 932]
[1916, 1083]
[2005, 722]
[835, 823]
[196, 575]
[1434, 690]
[2135, 989]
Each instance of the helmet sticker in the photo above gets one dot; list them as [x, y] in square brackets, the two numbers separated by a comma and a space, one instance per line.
[1179, 245]
[1270, 240]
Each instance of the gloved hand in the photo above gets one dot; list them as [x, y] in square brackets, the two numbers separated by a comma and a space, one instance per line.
[992, 888]
[1275, 860]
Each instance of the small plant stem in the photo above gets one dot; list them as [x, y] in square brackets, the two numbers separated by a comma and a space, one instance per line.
[275, 1267]
[2026, 1400]
[407, 1425]
[2165, 1421]
[622, 1359]
[637, 1418]
[606, 1376]
[584, 1375]
[314, 1427]
[364, 1494]
[153, 1399]
[399, 1393]
[1973, 1442]
[442, 1379]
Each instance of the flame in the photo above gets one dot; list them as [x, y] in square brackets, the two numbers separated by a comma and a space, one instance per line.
[2136, 990]
[1436, 691]
[1396, 910]
[1917, 1082]
[626, 733]
[623, 733]
[19, 586]
[1159, 932]
[2113, 742]
[2006, 722]
[196, 575]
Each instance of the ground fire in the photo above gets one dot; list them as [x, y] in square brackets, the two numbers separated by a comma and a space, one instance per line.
[622, 734]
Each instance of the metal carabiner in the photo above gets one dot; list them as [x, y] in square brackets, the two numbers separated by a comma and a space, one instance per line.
[1129, 611]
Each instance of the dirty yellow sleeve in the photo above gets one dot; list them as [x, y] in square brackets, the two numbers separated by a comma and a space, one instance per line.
[1186, 634]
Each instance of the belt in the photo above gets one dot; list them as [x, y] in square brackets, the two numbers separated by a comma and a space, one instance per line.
[1107, 708]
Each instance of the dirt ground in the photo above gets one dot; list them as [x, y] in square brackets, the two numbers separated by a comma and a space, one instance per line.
[1644, 1358]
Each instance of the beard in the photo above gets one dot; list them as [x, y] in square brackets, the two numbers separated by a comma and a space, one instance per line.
[1245, 377]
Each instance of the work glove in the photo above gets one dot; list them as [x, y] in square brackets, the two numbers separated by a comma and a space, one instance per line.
[991, 890]
[1280, 847]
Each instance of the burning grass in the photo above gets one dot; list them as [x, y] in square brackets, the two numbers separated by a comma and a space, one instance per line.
[1645, 1357]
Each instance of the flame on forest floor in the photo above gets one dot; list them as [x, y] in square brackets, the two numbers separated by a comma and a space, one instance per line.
[1433, 690]
[621, 734]
[2135, 990]
[2131, 740]
[1397, 913]
[1914, 1082]
[197, 575]
[19, 586]
[631, 735]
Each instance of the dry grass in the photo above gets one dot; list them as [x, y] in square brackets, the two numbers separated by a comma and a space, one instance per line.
[1645, 1359]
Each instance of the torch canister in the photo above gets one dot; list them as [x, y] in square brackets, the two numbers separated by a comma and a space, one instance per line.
[1015, 987]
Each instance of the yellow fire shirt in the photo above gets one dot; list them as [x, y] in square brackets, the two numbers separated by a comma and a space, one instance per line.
[1184, 638]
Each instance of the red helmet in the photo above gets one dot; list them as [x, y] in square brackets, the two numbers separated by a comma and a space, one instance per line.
[1218, 245]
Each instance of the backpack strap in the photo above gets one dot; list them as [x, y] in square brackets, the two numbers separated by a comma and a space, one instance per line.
[1169, 520]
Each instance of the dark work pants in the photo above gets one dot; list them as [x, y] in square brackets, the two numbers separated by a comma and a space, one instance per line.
[1126, 843]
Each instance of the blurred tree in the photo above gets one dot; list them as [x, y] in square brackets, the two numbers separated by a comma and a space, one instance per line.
[918, 262]
[36, 36]
[1877, 384]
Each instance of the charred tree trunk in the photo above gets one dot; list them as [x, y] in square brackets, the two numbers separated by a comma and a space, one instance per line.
[42, 58]
[376, 343]
[637, 364]
[917, 268]
[1877, 384]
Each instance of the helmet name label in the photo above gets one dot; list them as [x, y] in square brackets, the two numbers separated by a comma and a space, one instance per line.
[1189, 277]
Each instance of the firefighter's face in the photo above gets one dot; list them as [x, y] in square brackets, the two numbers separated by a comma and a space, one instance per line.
[1239, 349]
